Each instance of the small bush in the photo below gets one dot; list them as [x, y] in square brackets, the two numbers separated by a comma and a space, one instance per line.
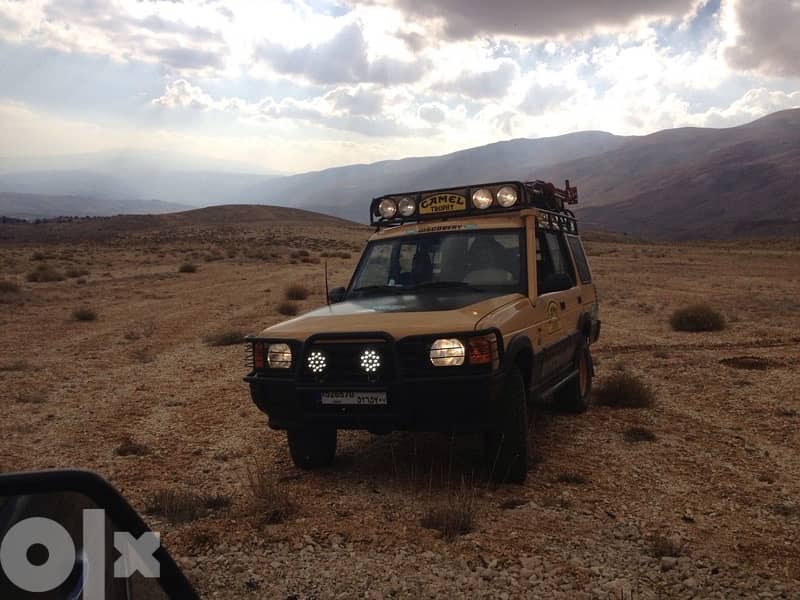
[84, 314]
[176, 506]
[75, 273]
[187, 268]
[269, 500]
[8, 287]
[37, 256]
[624, 391]
[16, 365]
[452, 517]
[44, 274]
[665, 546]
[297, 291]
[572, 478]
[635, 435]
[698, 317]
[225, 338]
[129, 447]
[143, 355]
[289, 309]
[31, 398]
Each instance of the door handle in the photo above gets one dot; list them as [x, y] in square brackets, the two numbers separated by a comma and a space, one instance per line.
[563, 305]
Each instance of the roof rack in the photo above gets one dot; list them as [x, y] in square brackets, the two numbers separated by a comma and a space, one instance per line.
[472, 201]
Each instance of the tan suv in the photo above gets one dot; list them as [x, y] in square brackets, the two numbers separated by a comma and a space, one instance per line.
[466, 304]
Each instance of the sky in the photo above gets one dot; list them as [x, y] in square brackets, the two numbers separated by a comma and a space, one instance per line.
[297, 85]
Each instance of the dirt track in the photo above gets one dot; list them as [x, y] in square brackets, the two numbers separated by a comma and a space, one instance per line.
[720, 482]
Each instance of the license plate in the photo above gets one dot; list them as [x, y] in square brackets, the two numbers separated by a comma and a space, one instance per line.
[353, 398]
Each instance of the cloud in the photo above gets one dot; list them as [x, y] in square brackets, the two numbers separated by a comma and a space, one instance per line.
[482, 84]
[769, 37]
[432, 112]
[755, 103]
[541, 98]
[464, 19]
[341, 59]
[188, 58]
[358, 102]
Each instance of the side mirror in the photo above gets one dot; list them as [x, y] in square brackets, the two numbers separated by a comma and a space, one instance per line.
[70, 534]
[336, 295]
[555, 282]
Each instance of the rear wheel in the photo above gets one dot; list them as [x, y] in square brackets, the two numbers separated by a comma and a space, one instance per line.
[574, 396]
[506, 446]
[312, 448]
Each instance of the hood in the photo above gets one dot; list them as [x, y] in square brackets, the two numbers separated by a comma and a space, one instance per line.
[399, 315]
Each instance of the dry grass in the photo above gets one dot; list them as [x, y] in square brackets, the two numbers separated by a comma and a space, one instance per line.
[75, 273]
[44, 274]
[84, 314]
[270, 500]
[225, 338]
[9, 287]
[453, 515]
[187, 267]
[698, 317]
[622, 390]
[15, 365]
[288, 309]
[296, 291]
[129, 447]
[143, 355]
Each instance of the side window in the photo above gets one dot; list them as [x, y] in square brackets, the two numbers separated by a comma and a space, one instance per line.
[376, 269]
[580, 259]
[552, 259]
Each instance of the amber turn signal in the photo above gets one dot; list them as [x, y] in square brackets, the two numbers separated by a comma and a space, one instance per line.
[480, 350]
[258, 355]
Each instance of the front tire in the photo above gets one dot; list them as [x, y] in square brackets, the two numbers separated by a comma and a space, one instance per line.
[312, 448]
[506, 446]
[574, 396]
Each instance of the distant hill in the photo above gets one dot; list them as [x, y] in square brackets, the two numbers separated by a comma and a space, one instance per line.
[234, 217]
[37, 206]
[694, 183]
[130, 175]
[346, 191]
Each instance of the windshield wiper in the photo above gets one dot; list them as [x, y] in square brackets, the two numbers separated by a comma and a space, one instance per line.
[378, 288]
[445, 285]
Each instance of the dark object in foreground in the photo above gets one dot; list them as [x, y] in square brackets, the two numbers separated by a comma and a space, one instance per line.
[624, 391]
[698, 317]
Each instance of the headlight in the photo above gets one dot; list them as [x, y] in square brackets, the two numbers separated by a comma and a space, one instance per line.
[387, 208]
[482, 198]
[406, 207]
[447, 353]
[279, 356]
[506, 196]
[370, 360]
[317, 361]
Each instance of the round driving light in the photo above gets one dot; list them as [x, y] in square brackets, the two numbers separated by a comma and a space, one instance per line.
[482, 198]
[447, 353]
[370, 360]
[506, 196]
[406, 207]
[387, 208]
[279, 356]
[317, 361]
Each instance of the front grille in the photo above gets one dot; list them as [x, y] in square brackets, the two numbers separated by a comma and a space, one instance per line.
[343, 362]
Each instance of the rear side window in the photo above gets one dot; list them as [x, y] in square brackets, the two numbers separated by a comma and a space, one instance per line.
[552, 256]
[580, 259]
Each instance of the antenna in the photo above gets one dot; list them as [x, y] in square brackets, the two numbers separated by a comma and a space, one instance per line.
[327, 297]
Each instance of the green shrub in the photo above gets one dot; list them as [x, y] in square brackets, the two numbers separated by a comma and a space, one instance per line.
[698, 317]
[297, 291]
[288, 309]
[187, 267]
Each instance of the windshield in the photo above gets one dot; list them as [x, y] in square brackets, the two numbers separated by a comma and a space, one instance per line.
[486, 260]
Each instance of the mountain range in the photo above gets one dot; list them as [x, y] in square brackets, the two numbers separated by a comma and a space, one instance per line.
[676, 183]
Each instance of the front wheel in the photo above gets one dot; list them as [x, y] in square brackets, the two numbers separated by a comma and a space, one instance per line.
[574, 396]
[506, 446]
[312, 448]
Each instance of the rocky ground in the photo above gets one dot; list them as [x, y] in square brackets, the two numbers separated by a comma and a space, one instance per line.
[706, 509]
